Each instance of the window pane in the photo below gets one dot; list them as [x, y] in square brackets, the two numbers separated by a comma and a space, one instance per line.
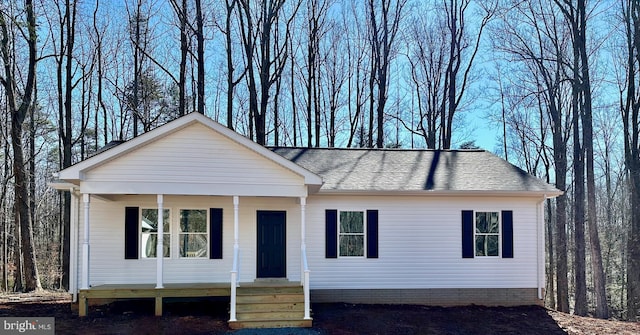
[492, 245]
[193, 221]
[150, 220]
[193, 245]
[352, 222]
[351, 245]
[150, 243]
[481, 222]
[480, 245]
[494, 226]
[487, 245]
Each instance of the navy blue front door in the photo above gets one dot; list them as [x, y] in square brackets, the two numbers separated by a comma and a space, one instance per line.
[272, 252]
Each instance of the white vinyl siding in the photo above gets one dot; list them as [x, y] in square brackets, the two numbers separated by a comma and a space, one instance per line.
[192, 161]
[419, 243]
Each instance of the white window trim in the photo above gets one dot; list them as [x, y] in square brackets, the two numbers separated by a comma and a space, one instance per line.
[206, 233]
[364, 233]
[499, 232]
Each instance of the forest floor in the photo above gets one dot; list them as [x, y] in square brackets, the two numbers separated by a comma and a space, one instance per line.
[209, 317]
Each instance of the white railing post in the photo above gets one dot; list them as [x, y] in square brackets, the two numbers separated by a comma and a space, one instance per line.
[232, 309]
[305, 287]
[160, 243]
[73, 250]
[86, 198]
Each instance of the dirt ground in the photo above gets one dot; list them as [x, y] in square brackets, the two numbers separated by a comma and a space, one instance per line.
[209, 317]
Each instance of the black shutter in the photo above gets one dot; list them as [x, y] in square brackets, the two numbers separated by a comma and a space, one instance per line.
[131, 216]
[331, 233]
[467, 234]
[507, 234]
[215, 233]
[372, 233]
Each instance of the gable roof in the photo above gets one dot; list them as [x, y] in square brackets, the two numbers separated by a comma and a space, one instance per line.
[76, 172]
[397, 170]
[335, 170]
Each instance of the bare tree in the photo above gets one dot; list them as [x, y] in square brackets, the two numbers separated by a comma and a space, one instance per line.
[383, 31]
[19, 103]
[576, 15]
[258, 23]
[199, 32]
[441, 57]
[426, 58]
[232, 82]
[537, 38]
[630, 110]
[181, 12]
[335, 77]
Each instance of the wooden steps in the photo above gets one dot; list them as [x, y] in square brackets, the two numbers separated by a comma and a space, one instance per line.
[269, 307]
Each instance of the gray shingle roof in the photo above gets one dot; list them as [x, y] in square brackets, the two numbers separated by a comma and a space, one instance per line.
[413, 170]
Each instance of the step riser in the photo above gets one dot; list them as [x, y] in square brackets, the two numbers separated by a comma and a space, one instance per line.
[285, 307]
[268, 299]
[270, 324]
[256, 316]
[268, 290]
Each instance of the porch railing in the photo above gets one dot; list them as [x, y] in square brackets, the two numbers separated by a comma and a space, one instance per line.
[305, 284]
[234, 283]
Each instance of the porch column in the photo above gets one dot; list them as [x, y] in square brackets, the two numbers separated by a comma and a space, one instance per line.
[85, 244]
[236, 239]
[236, 230]
[160, 244]
[303, 234]
[73, 242]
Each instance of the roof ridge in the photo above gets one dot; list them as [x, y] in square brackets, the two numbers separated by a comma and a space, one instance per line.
[272, 147]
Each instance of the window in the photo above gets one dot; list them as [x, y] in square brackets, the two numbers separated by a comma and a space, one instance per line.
[193, 233]
[487, 233]
[149, 228]
[351, 233]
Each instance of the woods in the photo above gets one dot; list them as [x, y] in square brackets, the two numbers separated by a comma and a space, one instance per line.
[558, 78]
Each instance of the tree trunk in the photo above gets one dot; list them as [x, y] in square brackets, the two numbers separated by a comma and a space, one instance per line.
[184, 50]
[200, 46]
[551, 271]
[18, 114]
[580, 307]
[630, 110]
[230, 68]
[599, 283]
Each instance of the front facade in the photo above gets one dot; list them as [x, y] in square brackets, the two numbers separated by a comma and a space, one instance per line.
[388, 226]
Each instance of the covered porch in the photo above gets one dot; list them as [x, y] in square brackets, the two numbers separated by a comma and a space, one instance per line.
[256, 299]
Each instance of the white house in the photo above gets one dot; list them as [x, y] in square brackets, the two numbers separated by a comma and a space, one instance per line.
[301, 225]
